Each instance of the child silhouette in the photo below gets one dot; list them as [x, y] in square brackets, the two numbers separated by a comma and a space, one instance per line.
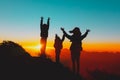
[58, 46]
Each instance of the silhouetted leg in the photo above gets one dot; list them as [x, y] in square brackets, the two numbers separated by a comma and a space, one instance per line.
[44, 48]
[73, 65]
[78, 62]
[57, 59]
[57, 56]
[43, 43]
[78, 65]
[73, 61]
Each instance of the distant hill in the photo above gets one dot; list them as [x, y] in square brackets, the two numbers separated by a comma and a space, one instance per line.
[16, 63]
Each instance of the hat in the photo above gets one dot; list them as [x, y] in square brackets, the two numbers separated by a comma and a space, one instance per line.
[76, 29]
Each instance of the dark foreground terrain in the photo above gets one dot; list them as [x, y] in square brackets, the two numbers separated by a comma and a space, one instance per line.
[17, 64]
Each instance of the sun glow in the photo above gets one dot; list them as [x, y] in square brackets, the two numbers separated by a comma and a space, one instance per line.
[37, 47]
[34, 47]
[34, 50]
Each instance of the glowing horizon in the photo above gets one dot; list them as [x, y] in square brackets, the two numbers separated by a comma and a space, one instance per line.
[34, 48]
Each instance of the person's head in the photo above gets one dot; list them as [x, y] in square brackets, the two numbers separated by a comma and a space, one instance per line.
[44, 25]
[57, 37]
[76, 31]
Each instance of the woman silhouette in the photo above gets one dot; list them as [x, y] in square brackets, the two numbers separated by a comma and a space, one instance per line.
[76, 46]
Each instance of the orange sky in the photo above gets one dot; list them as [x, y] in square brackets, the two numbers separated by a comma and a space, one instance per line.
[33, 47]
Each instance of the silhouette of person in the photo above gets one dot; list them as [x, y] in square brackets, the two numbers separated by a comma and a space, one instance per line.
[44, 34]
[58, 46]
[76, 46]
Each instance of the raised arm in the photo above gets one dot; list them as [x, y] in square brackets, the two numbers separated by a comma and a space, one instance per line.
[48, 22]
[65, 34]
[85, 34]
[63, 38]
[41, 22]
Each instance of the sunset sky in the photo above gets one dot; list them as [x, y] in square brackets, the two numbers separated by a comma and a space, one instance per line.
[20, 20]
